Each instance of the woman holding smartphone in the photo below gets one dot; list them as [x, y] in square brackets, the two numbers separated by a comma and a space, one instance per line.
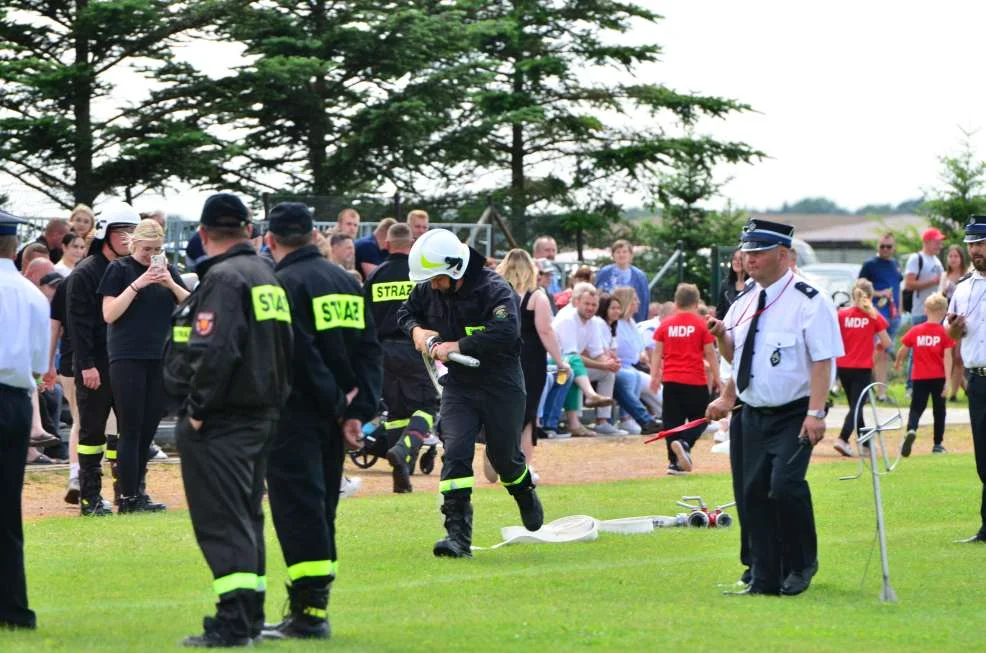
[139, 292]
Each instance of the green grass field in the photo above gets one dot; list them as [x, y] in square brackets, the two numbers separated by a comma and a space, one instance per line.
[140, 584]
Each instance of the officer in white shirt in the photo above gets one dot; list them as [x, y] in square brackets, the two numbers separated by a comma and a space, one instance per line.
[782, 337]
[23, 359]
[966, 320]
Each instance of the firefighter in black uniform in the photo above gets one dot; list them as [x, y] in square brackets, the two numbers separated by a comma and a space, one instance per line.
[92, 362]
[336, 388]
[407, 390]
[474, 312]
[228, 359]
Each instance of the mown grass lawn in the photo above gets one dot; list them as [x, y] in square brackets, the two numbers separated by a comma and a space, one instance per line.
[140, 584]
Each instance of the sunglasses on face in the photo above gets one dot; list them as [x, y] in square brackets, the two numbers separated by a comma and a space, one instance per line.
[886, 246]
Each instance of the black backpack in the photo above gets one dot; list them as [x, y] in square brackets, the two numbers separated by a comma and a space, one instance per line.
[907, 296]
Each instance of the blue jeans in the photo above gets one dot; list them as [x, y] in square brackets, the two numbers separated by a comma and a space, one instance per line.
[626, 392]
[916, 320]
[554, 401]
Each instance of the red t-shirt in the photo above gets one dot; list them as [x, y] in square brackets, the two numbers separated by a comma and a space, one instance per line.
[684, 336]
[929, 342]
[858, 330]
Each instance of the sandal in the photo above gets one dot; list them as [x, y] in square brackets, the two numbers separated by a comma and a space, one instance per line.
[598, 401]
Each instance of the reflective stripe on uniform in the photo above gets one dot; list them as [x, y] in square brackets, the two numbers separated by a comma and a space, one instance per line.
[463, 483]
[181, 333]
[110, 454]
[241, 580]
[261, 583]
[318, 613]
[91, 449]
[474, 329]
[391, 291]
[396, 424]
[313, 568]
[519, 478]
[270, 303]
[426, 416]
[338, 311]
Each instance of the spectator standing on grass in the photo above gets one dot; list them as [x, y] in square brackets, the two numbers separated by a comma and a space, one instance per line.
[922, 274]
[966, 321]
[956, 266]
[883, 271]
[23, 359]
[139, 294]
[860, 325]
[62, 371]
[683, 345]
[932, 367]
[537, 338]
[74, 250]
[622, 272]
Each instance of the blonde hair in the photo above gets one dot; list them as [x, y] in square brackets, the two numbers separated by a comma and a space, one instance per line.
[685, 295]
[862, 294]
[936, 303]
[582, 288]
[83, 208]
[417, 213]
[626, 296]
[146, 230]
[518, 269]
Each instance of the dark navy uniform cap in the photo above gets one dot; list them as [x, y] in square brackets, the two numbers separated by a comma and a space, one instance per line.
[224, 210]
[8, 224]
[975, 229]
[761, 235]
[289, 218]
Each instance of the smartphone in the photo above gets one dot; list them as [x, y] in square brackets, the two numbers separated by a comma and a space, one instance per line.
[158, 261]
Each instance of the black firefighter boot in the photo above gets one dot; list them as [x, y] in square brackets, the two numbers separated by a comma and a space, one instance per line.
[91, 502]
[458, 527]
[401, 457]
[112, 444]
[531, 511]
[308, 613]
[230, 628]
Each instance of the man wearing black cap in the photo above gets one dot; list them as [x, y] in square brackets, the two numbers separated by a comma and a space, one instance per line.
[335, 389]
[228, 359]
[407, 390]
[782, 337]
[966, 321]
[23, 359]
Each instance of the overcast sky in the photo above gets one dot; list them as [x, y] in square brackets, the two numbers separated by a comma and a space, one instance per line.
[855, 100]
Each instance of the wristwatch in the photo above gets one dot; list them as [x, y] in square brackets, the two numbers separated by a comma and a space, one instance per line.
[820, 414]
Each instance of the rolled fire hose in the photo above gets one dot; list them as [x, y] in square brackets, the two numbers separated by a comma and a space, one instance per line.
[582, 528]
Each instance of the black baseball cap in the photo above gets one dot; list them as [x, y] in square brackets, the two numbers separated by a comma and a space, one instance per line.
[224, 210]
[290, 218]
[8, 224]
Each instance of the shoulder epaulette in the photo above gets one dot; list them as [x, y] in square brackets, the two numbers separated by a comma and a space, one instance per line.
[809, 291]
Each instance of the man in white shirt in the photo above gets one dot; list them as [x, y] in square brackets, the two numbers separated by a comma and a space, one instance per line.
[578, 332]
[23, 359]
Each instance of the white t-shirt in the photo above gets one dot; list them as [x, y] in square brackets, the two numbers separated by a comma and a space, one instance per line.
[930, 268]
[576, 336]
[63, 269]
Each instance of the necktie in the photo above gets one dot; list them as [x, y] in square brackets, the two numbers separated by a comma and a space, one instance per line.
[746, 358]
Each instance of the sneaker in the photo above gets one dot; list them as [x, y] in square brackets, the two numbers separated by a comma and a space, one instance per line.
[555, 434]
[651, 427]
[349, 486]
[680, 450]
[938, 449]
[905, 449]
[607, 429]
[630, 426]
[156, 453]
[674, 470]
[581, 431]
[72, 495]
[535, 477]
[843, 448]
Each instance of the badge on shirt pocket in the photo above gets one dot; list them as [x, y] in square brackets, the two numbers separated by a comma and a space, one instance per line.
[779, 345]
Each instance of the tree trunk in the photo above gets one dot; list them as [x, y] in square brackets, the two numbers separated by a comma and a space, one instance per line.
[518, 200]
[317, 130]
[83, 190]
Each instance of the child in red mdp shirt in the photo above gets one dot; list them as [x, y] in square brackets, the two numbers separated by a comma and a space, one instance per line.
[859, 325]
[932, 366]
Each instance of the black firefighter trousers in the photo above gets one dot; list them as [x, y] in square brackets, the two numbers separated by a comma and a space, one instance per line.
[498, 407]
[303, 477]
[223, 467]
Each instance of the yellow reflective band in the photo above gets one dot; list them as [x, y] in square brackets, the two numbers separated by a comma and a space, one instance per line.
[391, 291]
[111, 454]
[407, 441]
[181, 333]
[426, 416]
[241, 580]
[313, 568]
[318, 613]
[428, 265]
[335, 311]
[474, 329]
[519, 479]
[270, 303]
[457, 484]
[396, 424]
[91, 449]
[261, 583]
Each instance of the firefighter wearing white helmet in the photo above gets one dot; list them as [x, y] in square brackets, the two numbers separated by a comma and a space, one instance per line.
[472, 310]
[91, 360]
